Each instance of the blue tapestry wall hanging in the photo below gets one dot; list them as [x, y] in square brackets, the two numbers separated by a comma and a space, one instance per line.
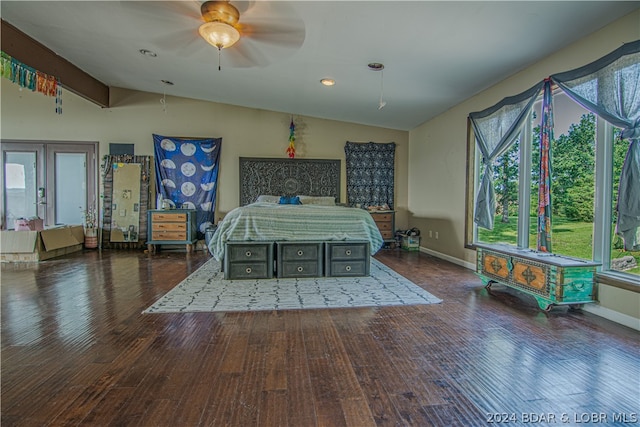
[187, 175]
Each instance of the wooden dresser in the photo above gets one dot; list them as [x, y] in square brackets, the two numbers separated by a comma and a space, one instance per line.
[172, 227]
[551, 279]
[385, 220]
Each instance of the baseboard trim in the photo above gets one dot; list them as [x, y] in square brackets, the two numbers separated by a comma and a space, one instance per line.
[614, 316]
[454, 260]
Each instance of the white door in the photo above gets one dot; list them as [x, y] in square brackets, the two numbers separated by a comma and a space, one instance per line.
[52, 181]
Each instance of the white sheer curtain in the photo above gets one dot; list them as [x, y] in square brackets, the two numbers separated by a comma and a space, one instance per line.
[610, 87]
[496, 128]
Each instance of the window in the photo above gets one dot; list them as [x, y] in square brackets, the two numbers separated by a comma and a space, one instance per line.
[586, 160]
[590, 198]
[506, 178]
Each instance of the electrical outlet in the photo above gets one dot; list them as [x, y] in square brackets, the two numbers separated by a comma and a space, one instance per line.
[436, 235]
[430, 234]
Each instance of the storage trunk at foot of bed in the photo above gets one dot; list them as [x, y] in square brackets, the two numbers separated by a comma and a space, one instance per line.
[296, 259]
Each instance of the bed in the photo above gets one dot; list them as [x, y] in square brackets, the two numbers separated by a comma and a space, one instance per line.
[265, 221]
[314, 186]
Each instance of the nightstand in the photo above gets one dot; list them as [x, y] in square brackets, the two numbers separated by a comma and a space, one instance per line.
[385, 220]
[171, 227]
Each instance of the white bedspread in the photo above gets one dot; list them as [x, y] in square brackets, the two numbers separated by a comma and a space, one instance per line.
[273, 222]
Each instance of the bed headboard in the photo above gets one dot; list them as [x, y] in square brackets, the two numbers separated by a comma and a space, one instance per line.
[288, 177]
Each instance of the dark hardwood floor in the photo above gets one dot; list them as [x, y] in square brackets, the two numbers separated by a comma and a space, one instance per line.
[76, 350]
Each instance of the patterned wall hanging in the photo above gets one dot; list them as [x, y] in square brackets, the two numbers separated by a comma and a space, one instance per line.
[370, 173]
[187, 175]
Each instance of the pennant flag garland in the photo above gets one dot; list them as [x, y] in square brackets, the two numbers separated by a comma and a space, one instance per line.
[27, 77]
[291, 150]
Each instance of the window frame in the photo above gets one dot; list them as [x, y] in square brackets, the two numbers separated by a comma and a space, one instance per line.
[603, 199]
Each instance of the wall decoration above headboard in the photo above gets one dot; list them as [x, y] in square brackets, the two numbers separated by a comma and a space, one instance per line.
[290, 177]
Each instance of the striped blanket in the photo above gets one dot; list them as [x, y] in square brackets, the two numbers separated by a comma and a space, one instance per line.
[273, 222]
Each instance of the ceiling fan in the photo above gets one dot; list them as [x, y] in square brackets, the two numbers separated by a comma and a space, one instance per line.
[252, 33]
[219, 28]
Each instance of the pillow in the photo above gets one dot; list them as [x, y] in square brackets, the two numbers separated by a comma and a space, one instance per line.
[290, 200]
[264, 198]
[318, 200]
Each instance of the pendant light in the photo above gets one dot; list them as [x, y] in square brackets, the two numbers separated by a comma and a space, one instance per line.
[377, 66]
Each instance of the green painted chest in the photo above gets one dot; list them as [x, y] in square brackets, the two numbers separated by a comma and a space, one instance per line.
[551, 279]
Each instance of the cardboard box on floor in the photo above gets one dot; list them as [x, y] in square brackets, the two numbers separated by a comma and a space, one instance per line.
[30, 246]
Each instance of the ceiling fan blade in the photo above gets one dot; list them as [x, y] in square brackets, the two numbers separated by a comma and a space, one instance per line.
[165, 10]
[289, 35]
[243, 6]
[272, 22]
[244, 55]
[185, 42]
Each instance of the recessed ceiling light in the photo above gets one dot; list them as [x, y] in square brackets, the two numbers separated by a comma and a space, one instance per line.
[167, 82]
[375, 66]
[328, 82]
[147, 52]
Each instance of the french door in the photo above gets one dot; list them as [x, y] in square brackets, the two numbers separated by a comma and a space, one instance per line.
[54, 181]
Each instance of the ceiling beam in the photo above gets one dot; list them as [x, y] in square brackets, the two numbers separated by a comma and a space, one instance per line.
[28, 51]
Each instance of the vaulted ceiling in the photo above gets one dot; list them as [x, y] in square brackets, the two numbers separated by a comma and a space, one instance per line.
[435, 53]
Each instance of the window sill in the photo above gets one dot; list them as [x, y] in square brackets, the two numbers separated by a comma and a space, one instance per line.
[619, 280]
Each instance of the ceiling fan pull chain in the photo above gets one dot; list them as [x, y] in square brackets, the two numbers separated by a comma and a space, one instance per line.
[219, 59]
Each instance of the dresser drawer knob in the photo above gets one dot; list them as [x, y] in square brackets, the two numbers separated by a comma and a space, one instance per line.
[248, 270]
[248, 253]
[300, 269]
[300, 253]
[348, 252]
[348, 268]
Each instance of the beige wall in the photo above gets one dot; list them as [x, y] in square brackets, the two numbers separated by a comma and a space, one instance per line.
[437, 150]
[245, 132]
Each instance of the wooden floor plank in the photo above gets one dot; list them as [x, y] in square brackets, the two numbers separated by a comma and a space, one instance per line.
[77, 350]
[300, 402]
[276, 362]
[273, 409]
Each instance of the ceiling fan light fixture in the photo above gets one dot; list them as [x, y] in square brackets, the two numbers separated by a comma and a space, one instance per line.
[220, 11]
[219, 34]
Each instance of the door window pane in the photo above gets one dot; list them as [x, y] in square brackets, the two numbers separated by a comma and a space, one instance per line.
[71, 185]
[20, 186]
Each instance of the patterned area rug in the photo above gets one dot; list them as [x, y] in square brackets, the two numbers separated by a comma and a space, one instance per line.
[205, 290]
